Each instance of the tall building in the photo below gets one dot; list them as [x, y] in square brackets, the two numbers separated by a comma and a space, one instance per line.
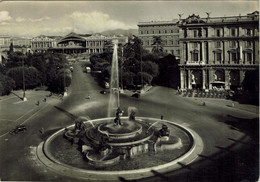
[168, 31]
[218, 51]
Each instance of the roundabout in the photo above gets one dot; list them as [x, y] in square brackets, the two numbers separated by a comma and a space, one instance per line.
[134, 157]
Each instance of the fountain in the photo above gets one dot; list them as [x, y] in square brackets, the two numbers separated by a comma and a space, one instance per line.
[108, 144]
[120, 138]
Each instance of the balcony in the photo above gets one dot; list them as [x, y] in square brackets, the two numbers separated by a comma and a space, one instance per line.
[195, 63]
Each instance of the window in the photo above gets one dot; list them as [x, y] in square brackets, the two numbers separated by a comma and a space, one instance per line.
[195, 33]
[233, 57]
[153, 31]
[218, 32]
[159, 31]
[249, 56]
[147, 32]
[218, 44]
[195, 57]
[218, 55]
[248, 32]
[233, 32]
[165, 31]
[141, 32]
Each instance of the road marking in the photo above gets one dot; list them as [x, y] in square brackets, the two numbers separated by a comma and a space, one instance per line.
[34, 114]
[24, 114]
[7, 119]
[7, 98]
[27, 118]
[18, 102]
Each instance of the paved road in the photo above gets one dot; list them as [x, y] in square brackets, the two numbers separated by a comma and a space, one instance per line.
[216, 124]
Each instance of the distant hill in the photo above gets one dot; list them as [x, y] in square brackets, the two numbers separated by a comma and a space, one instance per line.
[120, 32]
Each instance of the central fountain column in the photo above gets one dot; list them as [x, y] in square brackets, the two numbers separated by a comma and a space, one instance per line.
[114, 102]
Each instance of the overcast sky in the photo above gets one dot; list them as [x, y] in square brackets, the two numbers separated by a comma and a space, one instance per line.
[62, 17]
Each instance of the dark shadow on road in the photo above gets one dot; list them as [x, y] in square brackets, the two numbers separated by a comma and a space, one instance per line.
[162, 176]
[72, 116]
[248, 126]
[184, 166]
[17, 95]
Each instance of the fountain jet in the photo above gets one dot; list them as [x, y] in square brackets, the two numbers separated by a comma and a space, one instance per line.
[114, 102]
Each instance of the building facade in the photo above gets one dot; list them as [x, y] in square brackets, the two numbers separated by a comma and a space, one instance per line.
[5, 42]
[90, 44]
[42, 43]
[216, 52]
[168, 31]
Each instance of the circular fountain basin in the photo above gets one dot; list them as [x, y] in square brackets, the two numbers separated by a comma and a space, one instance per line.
[58, 154]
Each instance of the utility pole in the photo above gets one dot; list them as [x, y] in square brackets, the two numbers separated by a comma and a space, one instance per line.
[64, 81]
[141, 66]
[24, 97]
[122, 61]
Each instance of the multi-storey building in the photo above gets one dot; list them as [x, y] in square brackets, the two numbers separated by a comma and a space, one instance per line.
[19, 41]
[77, 43]
[218, 51]
[5, 42]
[42, 43]
[168, 31]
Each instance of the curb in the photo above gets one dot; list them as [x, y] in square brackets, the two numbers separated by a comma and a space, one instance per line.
[47, 159]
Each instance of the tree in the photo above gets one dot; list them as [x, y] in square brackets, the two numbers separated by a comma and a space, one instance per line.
[6, 85]
[11, 49]
[31, 77]
[150, 68]
[147, 78]
[157, 44]
[169, 72]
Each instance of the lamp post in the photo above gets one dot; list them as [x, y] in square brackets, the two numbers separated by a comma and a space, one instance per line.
[64, 81]
[141, 66]
[24, 96]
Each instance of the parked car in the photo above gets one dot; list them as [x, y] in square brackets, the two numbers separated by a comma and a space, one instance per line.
[103, 92]
[18, 129]
[136, 95]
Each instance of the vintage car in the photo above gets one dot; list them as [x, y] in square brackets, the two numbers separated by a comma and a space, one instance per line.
[18, 129]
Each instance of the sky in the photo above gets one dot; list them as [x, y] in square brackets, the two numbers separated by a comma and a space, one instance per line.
[29, 19]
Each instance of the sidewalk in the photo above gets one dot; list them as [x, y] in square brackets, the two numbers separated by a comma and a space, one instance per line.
[14, 111]
[227, 103]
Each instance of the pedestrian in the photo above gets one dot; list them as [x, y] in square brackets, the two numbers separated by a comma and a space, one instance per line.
[42, 130]
[44, 100]
[233, 104]
[161, 117]
[88, 97]
[38, 103]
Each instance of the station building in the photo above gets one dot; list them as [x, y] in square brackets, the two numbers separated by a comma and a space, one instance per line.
[42, 43]
[168, 31]
[216, 52]
[84, 43]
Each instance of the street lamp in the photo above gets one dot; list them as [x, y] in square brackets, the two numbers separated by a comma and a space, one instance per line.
[24, 97]
[64, 81]
[141, 67]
